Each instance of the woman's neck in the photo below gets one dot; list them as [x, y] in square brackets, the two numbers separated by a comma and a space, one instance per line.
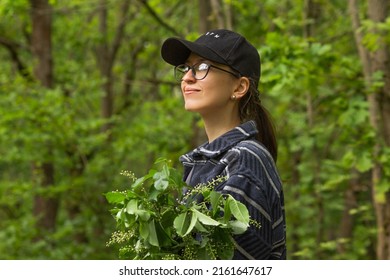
[216, 126]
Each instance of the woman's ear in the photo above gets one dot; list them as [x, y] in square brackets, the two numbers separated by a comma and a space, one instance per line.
[242, 87]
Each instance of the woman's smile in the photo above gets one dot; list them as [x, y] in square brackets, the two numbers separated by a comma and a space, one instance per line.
[188, 90]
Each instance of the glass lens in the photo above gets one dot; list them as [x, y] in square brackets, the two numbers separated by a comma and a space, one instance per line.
[180, 71]
[201, 70]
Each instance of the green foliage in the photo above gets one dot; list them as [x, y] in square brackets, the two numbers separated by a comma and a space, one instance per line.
[375, 34]
[159, 217]
[313, 87]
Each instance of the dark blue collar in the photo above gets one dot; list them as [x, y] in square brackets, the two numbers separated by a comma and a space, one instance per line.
[223, 143]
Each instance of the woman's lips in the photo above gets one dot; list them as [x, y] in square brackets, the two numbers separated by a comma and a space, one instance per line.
[190, 90]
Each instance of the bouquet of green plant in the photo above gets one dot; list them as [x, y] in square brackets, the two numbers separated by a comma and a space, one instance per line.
[160, 217]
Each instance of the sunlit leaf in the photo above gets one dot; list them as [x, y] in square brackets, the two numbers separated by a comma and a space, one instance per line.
[214, 200]
[115, 197]
[182, 223]
[364, 162]
[204, 219]
[239, 210]
[132, 206]
[152, 238]
[161, 181]
[238, 227]
[144, 230]
[144, 215]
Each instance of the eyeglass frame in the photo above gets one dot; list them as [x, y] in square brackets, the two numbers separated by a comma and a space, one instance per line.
[193, 71]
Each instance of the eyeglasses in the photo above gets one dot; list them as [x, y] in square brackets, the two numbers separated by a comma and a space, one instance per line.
[199, 71]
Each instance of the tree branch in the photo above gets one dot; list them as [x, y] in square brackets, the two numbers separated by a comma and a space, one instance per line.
[12, 48]
[158, 19]
[120, 30]
[354, 14]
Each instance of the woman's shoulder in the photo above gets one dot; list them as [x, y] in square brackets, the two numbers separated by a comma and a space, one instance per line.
[251, 150]
[251, 162]
[248, 154]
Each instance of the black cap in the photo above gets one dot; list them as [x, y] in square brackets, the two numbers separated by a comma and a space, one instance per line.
[221, 46]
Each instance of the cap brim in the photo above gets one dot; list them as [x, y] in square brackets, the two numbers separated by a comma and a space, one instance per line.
[175, 51]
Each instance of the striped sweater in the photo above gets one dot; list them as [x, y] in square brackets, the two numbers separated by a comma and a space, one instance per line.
[252, 178]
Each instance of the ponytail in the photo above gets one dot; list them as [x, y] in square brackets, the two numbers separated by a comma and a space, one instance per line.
[252, 109]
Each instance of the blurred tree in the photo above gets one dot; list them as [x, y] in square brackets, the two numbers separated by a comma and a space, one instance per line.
[45, 208]
[374, 52]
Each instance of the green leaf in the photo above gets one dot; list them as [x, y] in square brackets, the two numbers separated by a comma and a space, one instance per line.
[133, 209]
[227, 212]
[132, 206]
[164, 237]
[226, 252]
[200, 227]
[144, 230]
[176, 178]
[152, 238]
[192, 223]
[153, 194]
[280, 23]
[239, 210]
[202, 254]
[161, 160]
[144, 215]
[128, 220]
[204, 219]
[167, 218]
[238, 227]
[182, 223]
[121, 215]
[115, 197]
[381, 190]
[131, 194]
[161, 181]
[364, 162]
[214, 200]
[138, 183]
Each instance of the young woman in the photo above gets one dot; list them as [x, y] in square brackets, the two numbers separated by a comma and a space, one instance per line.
[219, 74]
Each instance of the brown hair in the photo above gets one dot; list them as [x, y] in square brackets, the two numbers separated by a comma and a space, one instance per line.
[250, 108]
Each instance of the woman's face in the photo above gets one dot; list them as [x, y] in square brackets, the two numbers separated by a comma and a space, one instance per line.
[211, 95]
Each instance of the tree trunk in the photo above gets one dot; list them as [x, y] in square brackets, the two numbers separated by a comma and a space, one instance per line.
[311, 15]
[350, 202]
[105, 65]
[377, 12]
[217, 14]
[129, 76]
[205, 21]
[45, 208]
[41, 41]
[106, 54]
[379, 110]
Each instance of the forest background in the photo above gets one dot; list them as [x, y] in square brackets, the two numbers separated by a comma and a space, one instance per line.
[84, 94]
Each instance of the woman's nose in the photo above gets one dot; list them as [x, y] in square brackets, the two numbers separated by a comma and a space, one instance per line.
[188, 77]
